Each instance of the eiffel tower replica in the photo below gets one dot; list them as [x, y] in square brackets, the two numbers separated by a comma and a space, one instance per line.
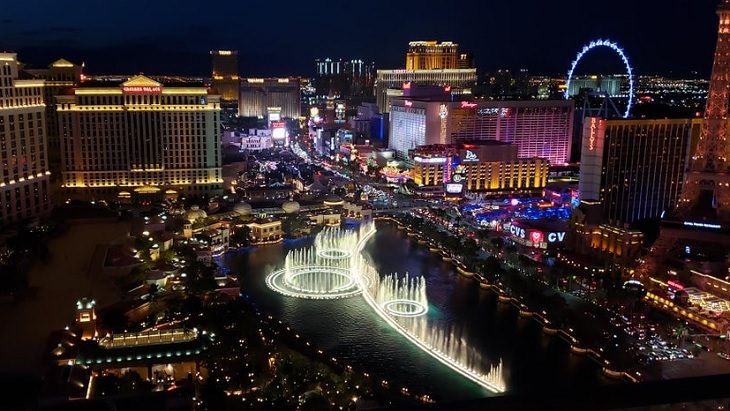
[698, 231]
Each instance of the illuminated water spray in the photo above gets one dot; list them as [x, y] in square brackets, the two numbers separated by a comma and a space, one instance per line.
[334, 268]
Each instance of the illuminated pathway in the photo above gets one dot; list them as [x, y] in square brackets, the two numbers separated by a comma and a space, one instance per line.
[335, 268]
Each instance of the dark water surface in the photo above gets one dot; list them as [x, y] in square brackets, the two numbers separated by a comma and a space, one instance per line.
[350, 331]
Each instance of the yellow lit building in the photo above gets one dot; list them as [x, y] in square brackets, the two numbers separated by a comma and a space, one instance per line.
[60, 75]
[613, 244]
[225, 73]
[266, 231]
[139, 139]
[432, 55]
[489, 167]
[24, 173]
[272, 98]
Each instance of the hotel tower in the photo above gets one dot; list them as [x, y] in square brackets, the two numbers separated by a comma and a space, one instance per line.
[24, 174]
[139, 140]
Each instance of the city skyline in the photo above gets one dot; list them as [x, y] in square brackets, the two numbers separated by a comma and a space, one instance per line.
[665, 38]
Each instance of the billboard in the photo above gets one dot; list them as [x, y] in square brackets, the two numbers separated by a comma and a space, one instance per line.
[454, 188]
[278, 130]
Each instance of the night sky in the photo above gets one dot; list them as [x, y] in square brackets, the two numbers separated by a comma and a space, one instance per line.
[284, 37]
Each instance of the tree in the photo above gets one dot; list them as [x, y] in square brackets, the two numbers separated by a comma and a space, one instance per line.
[241, 236]
[491, 269]
[114, 320]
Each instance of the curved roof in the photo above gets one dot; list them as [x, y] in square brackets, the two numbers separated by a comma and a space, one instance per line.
[195, 213]
[242, 208]
[290, 207]
[333, 200]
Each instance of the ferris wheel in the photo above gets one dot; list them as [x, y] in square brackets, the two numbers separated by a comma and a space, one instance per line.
[618, 50]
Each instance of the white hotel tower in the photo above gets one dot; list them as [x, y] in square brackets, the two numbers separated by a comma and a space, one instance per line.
[24, 175]
[139, 140]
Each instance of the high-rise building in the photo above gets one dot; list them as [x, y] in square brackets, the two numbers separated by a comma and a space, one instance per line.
[262, 97]
[345, 78]
[24, 172]
[369, 123]
[541, 129]
[634, 168]
[59, 75]
[139, 140]
[697, 233]
[225, 73]
[432, 55]
[538, 128]
[489, 167]
[391, 83]
[428, 63]
[612, 85]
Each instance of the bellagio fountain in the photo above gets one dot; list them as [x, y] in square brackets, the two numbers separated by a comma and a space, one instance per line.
[333, 267]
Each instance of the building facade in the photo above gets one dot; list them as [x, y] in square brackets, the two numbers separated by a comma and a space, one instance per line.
[431, 55]
[253, 140]
[225, 73]
[262, 97]
[484, 167]
[390, 83]
[344, 78]
[24, 171]
[139, 139]
[612, 85]
[634, 168]
[59, 75]
[541, 129]
[608, 244]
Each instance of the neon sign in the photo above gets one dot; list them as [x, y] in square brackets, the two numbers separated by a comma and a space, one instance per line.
[517, 231]
[553, 237]
[470, 156]
[503, 112]
[453, 188]
[430, 160]
[467, 104]
[703, 225]
[536, 237]
[408, 103]
[675, 284]
[443, 112]
[142, 89]
[592, 134]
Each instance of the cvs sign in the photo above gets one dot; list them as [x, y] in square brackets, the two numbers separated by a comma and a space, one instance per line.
[555, 237]
[517, 231]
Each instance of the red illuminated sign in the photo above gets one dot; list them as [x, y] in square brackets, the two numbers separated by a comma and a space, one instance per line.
[466, 104]
[406, 85]
[536, 237]
[593, 134]
[142, 89]
[278, 124]
[675, 284]
[408, 103]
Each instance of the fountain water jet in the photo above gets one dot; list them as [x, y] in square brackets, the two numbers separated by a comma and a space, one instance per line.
[334, 268]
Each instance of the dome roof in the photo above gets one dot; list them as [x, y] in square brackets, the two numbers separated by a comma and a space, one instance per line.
[195, 213]
[290, 207]
[242, 208]
[333, 200]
